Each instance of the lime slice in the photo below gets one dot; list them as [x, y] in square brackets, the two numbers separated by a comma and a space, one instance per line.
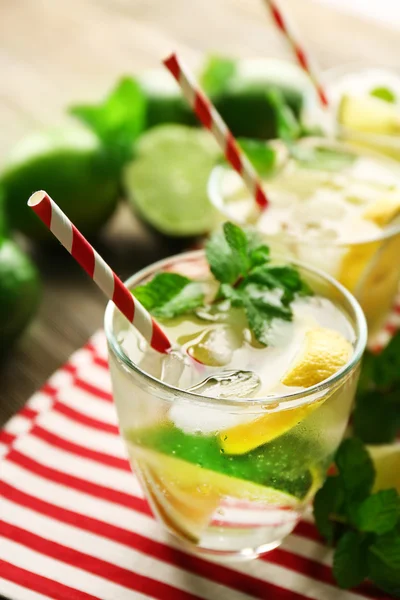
[71, 166]
[19, 293]
[386, 459]
[188, 476]
[282, 465]
[367, 114]
[167, 181]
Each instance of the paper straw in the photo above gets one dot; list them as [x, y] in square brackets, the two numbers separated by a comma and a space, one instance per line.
[112, 286]
[212, 120]
[303, 57]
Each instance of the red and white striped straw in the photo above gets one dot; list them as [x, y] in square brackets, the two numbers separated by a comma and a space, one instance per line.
[303, 57]
[112, 286]
[212, 120]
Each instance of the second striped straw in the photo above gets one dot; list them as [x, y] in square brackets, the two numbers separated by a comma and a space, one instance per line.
[212, 120]
[303, 57]
[112, 286]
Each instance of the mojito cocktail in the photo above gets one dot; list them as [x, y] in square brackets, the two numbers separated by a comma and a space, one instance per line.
[233, 431]
[332, 206]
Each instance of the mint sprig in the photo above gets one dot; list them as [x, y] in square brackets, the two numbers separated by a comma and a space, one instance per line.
[118, 120]
[376, 418]
[240, 262]
[265, 291]
[217, 74]
[169, 295]
[365, 525]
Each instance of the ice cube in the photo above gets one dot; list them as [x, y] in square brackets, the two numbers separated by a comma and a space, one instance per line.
[193, 418]
[215, 346]
[177, 369]
[229, 384]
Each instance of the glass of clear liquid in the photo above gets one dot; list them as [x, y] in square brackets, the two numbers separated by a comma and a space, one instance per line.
[333, 206]
[229, 438]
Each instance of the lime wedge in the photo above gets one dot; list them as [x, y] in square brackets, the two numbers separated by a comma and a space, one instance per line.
[71, 166]
[19, 293]
[167, 181]
[368, 114]
[386, 459]
[188, 476]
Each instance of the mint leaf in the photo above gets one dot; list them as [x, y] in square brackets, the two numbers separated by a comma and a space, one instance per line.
[269, 302]
[169, 295]
[285, 278]
[259, 256]
[379, 512]
[217, 74]
[238, 244]
[385, 94]
[386, 372]
[350, 565]
[384, 562]
[287, 125]
[322, 157]
[220, 259]
[377, 411]
[356, 470]
[260, 154]
[328, 501]
[118, 120]
[259, 323]
[376, 418]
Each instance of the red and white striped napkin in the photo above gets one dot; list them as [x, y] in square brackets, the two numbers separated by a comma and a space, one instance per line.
[76, 526]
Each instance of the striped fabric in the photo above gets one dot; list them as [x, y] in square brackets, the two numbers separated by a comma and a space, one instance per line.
[76, 526]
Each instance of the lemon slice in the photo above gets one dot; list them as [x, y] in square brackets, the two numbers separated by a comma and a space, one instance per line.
[367, 114]
[386, 459]
[187, 510]
[383, 210]
[379, 284]
[359, 256]
[325, 351]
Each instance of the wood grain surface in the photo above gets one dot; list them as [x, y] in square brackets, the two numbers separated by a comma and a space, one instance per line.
[53, 53]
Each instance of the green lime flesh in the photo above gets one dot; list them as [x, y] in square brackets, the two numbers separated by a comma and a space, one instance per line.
[284, 464]
[167, 181]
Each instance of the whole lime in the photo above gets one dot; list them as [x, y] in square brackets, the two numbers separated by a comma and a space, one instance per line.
[72, 166]
[19, 292]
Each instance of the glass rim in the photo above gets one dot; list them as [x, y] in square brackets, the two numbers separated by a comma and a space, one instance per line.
[282, 400]
[328, 77]
[216, 198]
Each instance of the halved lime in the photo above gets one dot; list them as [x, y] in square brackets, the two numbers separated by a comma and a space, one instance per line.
[71, 165]
[19, 292]
[167, 180]
[243, 104]
[165, 103]
[368, 114]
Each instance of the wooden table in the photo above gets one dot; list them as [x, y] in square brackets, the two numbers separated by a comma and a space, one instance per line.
[53, 53]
